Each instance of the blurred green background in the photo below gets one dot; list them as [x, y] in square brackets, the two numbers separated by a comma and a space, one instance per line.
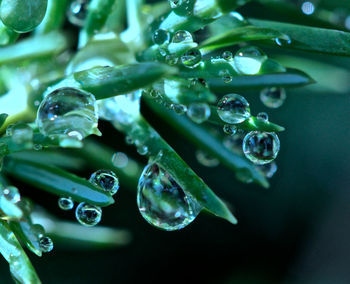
[297, 231]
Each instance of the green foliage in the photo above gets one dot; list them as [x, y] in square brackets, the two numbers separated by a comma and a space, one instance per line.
[116, 58]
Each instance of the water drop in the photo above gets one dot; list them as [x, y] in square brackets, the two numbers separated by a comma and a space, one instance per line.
[308, 8]
[46, 244]
[191, 58]
[261, 147]
[226, 76]
[65, 203]
[179, 108]
[227, 55]
[230, 129]
[273, 97]
[11, 194]
[22, 134]
[268, 170]
[107, 180]
[161, 36]
[171, 59]
[263, 116]
[120, 160]
[182, 36]
[77, 12]
[162, 202]
[68, 112]
[175, 3]
[283, 41]
[244, 176]
[198, 112]
[88, 215]
[233, 108]
[37, 147]
[142, 150]
[129, 140]
[206, 160]
[248, 60]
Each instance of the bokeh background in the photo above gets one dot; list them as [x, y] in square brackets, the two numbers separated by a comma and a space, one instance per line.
[297, 231]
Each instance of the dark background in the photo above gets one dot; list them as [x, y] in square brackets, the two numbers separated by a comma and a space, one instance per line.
[297, 231]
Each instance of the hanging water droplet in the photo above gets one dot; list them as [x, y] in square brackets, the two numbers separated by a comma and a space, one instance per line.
[182, 36]
[37, 147]
[234, 143]
[227, 55]
[22, 134]
[162, 202]
[248, 60]
[179, 109]
[233, 108]
[107, 180]
[308, 8]
[161, 36]
[65, 203]
[268, 170]
[198, 112]
[142, 150]
[191, 58]
[11, 194]
[68, 112]
[129, 140]
[225, 75]
[283, 40]
[263, 116]
[206, 160]
[261, 147]
[88, 215]
[120, 160]
[230, 129]
[175, 3]
[46, 244]
[77, 12]
[273, 97]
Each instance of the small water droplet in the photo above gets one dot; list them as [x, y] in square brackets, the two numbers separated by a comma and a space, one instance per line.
[198, 112]
[162, 202]
[227, 55]
[182, 36]
[88, 215]
[142, 150]
[283, 41]
[37, 147]
[273, 97]
[46, 244]
[120, 160]
[22, 134]
[161, 36]
[206, 160]
[65, 203]
[225, 75]
[230, 129]
[263, 116]
[175, 3]
[129, 140]
[106, 180]
[179, 108]
[268, 170]
[68, 111]
[261, 147]
[77, 12]
[11, 194]
[233, 108]
[248, 60]
[191, 58]
[308, 8]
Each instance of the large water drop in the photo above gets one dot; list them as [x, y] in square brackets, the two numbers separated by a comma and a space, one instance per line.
[233, 108]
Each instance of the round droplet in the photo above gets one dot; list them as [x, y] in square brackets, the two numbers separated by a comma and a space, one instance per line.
[261, 147]
[120, 160]
[268, 170]
[230, 129]
[273, 97]
[175, 3]
[142, 150]
[191, 58]
[162, 202]
[179, 108]
[233, 108]
[88, 215]
[68, 112]
[107, 180]
[227, 55]
[198, 112]
[226, 76]
[129, 140]
[263, 116]
[249, 60]
[22, 15]
[206, 160]
[65, 203]
[182, 37]
[77, 12]
[161, 36]
[12, 194]
[283, 40]
[22, 134]
[46, 244]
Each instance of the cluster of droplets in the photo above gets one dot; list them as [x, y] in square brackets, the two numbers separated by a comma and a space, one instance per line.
[87, 214]
[162, 202]
[69, 114]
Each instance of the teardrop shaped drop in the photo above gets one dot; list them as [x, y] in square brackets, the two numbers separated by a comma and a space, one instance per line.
[162, 202]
